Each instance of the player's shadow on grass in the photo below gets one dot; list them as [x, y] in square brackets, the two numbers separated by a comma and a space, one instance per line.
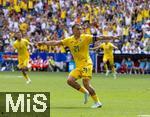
[70, 108]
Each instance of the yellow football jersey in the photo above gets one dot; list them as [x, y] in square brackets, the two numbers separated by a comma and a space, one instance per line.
[23, 27]
[63, 14]
[15, 2]
[17, 8]
[146, 13]
[105, 32]
[79, 49]
[126, 31]
[22, 47]
[30, 4]
[107, 48]
[49, 2]
[1, 2]
[139, 17]
[23, 5]
[4, 2]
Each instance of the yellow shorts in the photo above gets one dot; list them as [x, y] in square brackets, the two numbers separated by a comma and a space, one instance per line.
[83, 72]
[22, 63]
[108, 59]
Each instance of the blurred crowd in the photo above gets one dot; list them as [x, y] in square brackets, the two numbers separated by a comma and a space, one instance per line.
[52, 20]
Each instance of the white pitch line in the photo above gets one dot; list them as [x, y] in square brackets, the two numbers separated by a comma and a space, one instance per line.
[11, 76]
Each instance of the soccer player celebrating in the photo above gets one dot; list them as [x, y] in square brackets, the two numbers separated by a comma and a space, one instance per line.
[21, 45]
[108, 56]
[79, 47]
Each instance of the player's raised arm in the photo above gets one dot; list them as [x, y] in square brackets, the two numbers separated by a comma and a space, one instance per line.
[105, 37]
[50, 43]
[115, 47]
[31, 45]
[95, 48]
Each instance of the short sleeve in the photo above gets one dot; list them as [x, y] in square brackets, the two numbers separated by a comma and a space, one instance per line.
[89, 38]
[26, 42]
[66, 41]
[111, 45]
[102, 46]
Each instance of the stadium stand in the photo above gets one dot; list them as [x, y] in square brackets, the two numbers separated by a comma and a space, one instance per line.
[52, 19]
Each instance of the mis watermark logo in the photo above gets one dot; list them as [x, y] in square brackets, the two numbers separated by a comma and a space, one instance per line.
[24, 104]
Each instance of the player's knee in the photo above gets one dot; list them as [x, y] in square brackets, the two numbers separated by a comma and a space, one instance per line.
[86, 85]
[70, 81]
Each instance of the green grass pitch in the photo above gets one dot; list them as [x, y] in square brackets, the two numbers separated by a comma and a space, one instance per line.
[127, 96]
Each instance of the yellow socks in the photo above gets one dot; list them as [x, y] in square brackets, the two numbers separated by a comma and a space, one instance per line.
[113, 69]
[95, 98]
[106, 67]
[83, 90]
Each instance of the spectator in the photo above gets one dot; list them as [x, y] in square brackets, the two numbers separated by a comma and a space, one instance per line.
[117, 66]
[52, 65]
[129, 19]
[129, 63]
[136, 67]
[142, 66]
[123, 68]
[137, 49]
[46, 64]
[1, 45]
[147, 48]
[34, 64]
[147, 67]
[39, 63]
